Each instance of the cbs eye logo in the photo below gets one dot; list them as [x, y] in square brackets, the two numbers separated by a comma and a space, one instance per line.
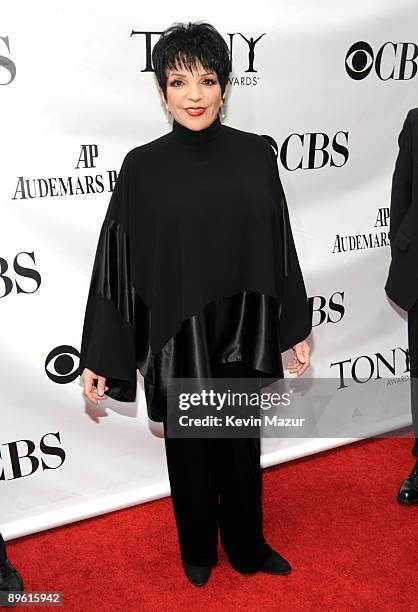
[393, 61]
[62, 364]
[359, 60]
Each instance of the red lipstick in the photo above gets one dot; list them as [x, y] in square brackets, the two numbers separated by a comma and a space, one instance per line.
[195, 111]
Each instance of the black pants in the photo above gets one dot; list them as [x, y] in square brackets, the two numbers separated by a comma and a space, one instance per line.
[217, 482]
[3, 555]
[413, 365]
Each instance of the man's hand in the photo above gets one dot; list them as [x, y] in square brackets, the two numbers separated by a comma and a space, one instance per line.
[91, 392]
[301, 360]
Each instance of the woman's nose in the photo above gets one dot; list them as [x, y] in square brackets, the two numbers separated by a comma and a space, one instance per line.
[194, 92]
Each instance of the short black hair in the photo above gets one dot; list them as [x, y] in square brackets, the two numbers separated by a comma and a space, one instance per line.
[189, 44]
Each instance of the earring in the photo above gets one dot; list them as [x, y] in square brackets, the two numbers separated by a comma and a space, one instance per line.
[221, 108]
[168, 115]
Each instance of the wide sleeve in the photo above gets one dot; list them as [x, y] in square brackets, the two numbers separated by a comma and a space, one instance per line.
[295, 312]
[108, 339]
[401, 180]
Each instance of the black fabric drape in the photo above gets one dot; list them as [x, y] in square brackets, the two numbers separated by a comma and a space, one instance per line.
[195, 269]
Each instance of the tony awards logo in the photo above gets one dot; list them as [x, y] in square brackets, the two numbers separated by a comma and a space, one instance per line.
[245, 75]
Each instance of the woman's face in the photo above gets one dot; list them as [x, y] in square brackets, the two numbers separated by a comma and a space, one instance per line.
[186, 91]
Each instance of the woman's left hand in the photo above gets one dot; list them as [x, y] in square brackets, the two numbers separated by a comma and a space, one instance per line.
[301, 359]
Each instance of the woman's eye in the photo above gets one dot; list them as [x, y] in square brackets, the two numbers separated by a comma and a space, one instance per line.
[207, 81]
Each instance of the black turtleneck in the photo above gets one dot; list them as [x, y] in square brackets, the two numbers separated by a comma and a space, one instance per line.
[187, 136]
[195, 267]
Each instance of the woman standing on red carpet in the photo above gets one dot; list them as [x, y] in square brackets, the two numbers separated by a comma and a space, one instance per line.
[196, 275]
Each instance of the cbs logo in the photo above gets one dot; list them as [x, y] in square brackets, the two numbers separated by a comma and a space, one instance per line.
[395, 61]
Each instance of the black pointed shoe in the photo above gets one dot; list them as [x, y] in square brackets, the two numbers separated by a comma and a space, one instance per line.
[275, 564]
[10, 580]
[408, 493]
[197, 575]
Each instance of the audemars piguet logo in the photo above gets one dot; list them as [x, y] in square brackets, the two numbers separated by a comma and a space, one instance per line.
[58, 186]
[243, 75]
[371, 240]
[391, 61]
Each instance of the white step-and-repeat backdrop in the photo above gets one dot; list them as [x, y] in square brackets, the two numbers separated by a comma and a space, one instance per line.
[330, 83]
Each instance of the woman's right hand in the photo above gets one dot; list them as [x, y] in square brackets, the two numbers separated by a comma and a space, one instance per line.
[91, 392]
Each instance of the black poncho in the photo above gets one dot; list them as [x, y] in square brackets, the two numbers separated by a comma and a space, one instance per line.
[196, 271]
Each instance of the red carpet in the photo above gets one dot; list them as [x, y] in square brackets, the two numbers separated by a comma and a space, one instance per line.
[333, 515]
